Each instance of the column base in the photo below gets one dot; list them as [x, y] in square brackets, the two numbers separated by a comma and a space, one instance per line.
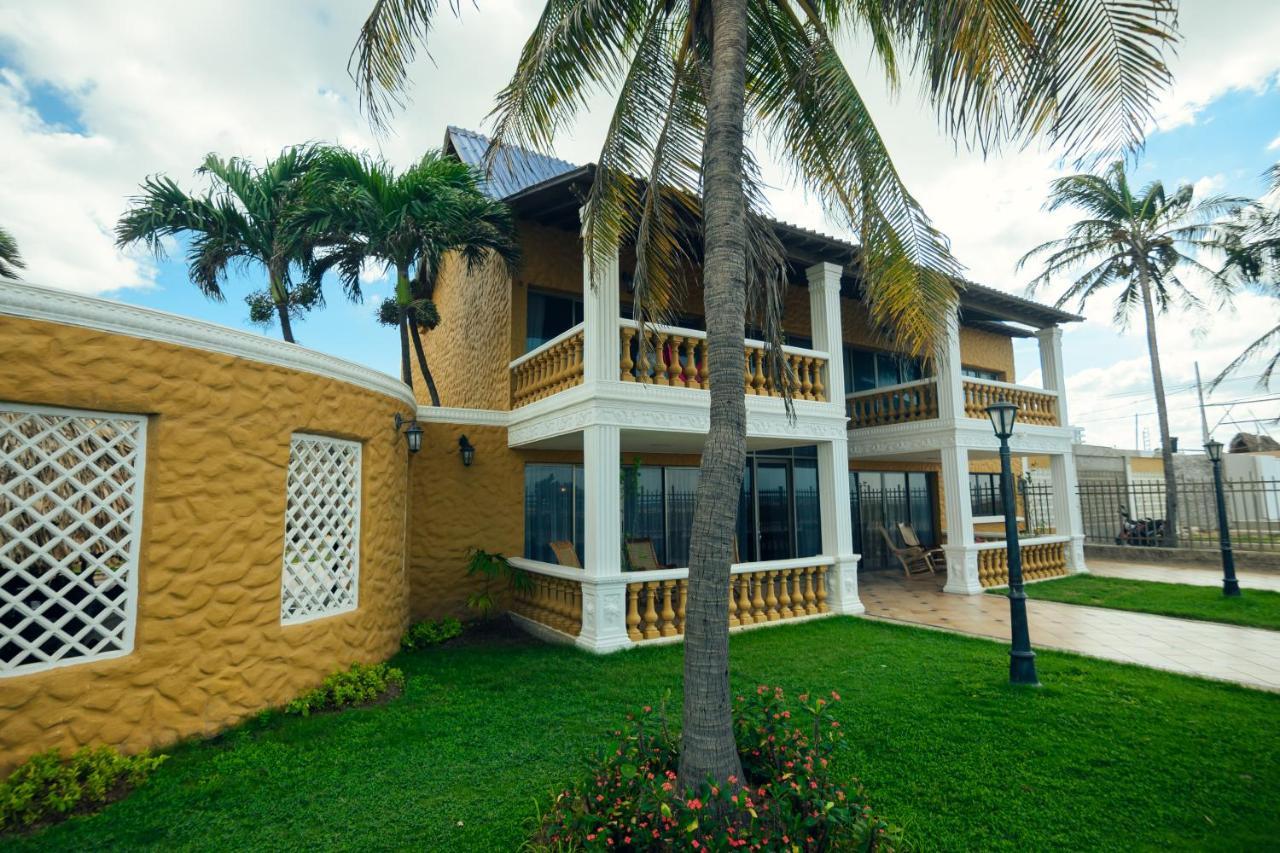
[1075, 556]
[962, 570]
[604, 609]
[842, 586]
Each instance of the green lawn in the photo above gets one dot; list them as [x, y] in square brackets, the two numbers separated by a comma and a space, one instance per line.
[1254, 608]
[1103, 756]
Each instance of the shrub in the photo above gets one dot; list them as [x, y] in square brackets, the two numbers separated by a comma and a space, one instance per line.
[360, 685]
[47, 788]
[787, 800]
[429, 633]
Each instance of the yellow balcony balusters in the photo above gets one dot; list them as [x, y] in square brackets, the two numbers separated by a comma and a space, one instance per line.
[552, 369]
[1034, 407]
[554, 602]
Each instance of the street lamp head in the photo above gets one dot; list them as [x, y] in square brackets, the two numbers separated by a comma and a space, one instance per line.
[1002, 414]
[1214, 449]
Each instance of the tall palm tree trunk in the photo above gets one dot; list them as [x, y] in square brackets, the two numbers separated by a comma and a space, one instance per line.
[422, 363]
[707, 748]
[281, 299]
[1170, 539]
[402, 302]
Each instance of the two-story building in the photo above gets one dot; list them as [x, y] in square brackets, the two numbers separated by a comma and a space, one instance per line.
[583, 440]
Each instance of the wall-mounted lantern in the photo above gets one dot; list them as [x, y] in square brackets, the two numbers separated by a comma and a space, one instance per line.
[412, 435]
[467, 450]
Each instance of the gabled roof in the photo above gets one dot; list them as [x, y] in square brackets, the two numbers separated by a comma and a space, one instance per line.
[552, 190]
[514, 169]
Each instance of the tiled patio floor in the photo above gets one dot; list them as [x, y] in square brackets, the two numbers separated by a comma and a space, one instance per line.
[1195, 575]
[1249, 656]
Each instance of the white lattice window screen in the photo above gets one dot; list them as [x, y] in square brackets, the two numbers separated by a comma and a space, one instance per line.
[70, 523]
[321, 573]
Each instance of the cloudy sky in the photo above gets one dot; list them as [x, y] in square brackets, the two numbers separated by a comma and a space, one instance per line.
[94, 96]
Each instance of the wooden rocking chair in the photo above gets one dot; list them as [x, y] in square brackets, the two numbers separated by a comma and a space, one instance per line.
[565, 553]
[642, 556]
[914, 560]
[912, 540]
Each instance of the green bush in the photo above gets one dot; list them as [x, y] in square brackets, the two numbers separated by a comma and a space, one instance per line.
[359, 685]
[47, 787]
[429, 633]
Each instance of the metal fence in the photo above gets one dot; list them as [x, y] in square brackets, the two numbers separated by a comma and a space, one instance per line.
[1253, 513]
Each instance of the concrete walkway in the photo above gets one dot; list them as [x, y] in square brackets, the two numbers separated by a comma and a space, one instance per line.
[1194, 575]
[1249, 656]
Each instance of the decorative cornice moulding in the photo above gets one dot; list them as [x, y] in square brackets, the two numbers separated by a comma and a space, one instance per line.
[463, 416]
[38, 302]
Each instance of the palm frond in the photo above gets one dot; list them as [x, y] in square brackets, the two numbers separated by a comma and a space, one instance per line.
[384, 50]
[10, 259]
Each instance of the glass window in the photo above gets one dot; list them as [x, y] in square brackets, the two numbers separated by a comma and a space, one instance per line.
[979, 373]
[882, 499]
[808, 512]
[553, 505]
[681, 489]
[985, 495]
[920, 507]
[642, 515]
[548, 315]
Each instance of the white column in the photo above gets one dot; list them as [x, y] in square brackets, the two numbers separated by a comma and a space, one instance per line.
[1051, 368]
[950, 382]
[962, 557]
[601, 312]
[837, 526]
[824, 317]
[604, 589]
[1066, 509]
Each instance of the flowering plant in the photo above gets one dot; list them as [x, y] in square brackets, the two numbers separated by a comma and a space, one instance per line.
[787, 799]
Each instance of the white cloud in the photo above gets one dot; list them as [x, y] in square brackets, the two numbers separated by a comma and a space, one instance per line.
[1274, 145]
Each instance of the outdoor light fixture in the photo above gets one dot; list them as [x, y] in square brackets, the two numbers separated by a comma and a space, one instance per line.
[1022, 661]
[412, 435]
[1230, 586]
[1002, 414]
[468, 451]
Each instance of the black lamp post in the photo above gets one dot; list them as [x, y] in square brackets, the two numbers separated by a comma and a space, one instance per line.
[1022, 661]
[1230, 586]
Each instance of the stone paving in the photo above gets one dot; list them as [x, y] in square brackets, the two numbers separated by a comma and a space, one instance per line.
[1194, 575]
[1249, 656]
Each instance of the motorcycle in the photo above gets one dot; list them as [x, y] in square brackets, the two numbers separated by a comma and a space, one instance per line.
[1141, 531]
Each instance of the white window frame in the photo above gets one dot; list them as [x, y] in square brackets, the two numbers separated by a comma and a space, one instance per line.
[134, 525]
[287, 551]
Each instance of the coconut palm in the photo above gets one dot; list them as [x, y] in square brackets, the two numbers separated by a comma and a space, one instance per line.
[1140, 241]
[1255, 259]
[10, 260]
[360, 209]
[693, 78]
[248, 218]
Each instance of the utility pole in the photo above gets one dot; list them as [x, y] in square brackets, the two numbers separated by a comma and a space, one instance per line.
[1204, 421]
[1136, 446]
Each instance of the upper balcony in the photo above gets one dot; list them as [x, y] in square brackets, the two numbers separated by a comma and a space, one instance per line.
[915, 401]
[670, 356]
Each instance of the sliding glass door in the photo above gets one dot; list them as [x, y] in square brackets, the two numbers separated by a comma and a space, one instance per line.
[879, 500]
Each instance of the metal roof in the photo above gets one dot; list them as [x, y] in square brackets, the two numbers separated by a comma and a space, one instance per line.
[514, 169]
[551, 190]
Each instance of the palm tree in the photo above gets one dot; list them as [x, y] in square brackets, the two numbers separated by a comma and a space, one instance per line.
[692, 78]
[10, 260]
[1255, 259]
[1140, 241]
[361, 210]
[250, 217]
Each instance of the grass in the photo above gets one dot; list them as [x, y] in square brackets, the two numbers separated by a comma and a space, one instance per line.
[1103, 756]
[1255, 608]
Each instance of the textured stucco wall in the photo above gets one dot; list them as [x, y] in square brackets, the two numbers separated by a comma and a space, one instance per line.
[988, 351]
[209, 648]
[465, 353]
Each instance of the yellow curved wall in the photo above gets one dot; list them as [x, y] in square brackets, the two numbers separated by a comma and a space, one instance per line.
[209, 649]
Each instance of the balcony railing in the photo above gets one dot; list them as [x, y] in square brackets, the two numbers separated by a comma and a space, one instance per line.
[759, 593]
[1042, 557]
[677, 357]
[548, 369]
[1035, 405]
[894, 404]
[918, 401]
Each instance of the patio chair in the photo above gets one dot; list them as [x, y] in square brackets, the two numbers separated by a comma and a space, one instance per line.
[912, 540]
[565, 553]
[913, 560]
[642, 556]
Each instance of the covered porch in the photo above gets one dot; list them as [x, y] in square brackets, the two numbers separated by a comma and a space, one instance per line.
[607, 534]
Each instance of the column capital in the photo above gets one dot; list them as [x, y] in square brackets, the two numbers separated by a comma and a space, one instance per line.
[1049, 333]
[824, 274]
